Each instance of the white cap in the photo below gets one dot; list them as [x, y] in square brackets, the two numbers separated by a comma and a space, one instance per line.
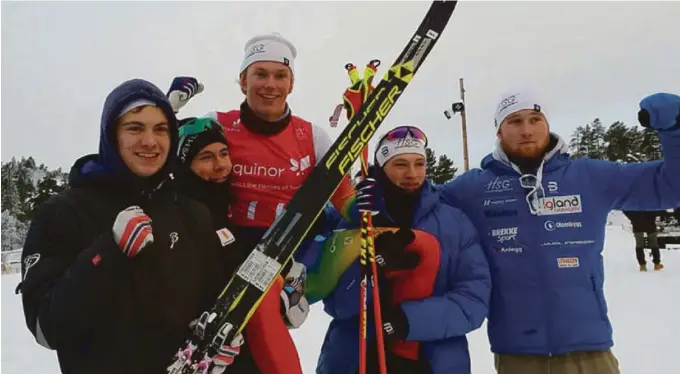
[514, 102]
[135, 104]
[269, 47]
[391, 148]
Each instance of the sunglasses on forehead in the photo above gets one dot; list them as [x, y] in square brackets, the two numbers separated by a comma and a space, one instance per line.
[198, 126]
[402, 132]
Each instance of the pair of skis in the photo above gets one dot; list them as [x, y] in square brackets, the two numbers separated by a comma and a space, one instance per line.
[243, 293]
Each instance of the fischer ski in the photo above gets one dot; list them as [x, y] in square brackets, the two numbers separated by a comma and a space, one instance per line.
[244, 292]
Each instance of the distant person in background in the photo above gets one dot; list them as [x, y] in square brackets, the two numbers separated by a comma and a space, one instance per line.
[645, 222]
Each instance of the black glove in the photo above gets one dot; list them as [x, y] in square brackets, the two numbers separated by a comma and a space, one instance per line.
[390, 251]
[394, 323]
[660, 111]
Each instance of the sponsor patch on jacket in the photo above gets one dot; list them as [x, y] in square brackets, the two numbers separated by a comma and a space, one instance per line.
[561, 205]
[226, 237]
[500, 213]
[568, 262]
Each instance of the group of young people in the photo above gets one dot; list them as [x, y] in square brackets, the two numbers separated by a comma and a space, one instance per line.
[117, 268]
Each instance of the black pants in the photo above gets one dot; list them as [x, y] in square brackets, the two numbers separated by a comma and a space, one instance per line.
[640, 247]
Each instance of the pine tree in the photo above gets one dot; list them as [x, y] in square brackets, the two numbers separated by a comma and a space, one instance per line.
[431, 162]
[650, 146]
[46, 188]
[445, 171]
[24, 187]
[10, 194]
[577, 145]
[13, 232]
[618, 142]
[597, 146]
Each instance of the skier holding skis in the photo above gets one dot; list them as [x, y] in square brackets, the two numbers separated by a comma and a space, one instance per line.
[203, 173]
[434, 280]
[116, 267]
[542, 218]
[272, 150]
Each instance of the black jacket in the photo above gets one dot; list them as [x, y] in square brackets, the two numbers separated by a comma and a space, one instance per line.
[216, 197]
[643, 221]
[101, 311]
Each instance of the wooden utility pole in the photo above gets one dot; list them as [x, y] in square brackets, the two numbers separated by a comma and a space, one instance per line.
[462, 116]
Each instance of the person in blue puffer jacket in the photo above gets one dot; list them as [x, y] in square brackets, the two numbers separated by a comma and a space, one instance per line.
[434, 279]
[542, 218]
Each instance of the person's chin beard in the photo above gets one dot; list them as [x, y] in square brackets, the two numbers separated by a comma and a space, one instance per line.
[528, 151]
[534, 151]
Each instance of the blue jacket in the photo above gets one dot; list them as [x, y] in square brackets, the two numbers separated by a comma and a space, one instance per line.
[547, 269]
[459, 303]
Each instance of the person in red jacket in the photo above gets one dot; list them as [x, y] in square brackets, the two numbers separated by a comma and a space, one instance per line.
[272, 151]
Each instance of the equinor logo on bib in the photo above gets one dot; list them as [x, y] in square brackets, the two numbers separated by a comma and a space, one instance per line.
[258, 170]
[561, 205]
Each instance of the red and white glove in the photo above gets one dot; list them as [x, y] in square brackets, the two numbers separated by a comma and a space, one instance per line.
[228, 351]
[132, 230]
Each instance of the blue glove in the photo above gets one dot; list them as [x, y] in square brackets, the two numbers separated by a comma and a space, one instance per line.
[368, 198]
[182, 89]
[660, 111]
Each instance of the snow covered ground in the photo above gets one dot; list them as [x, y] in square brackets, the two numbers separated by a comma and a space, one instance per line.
[644, 308]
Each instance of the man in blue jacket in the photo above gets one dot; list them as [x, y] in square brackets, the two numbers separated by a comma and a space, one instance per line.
[542, 218]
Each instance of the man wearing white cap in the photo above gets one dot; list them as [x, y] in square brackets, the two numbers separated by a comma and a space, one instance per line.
[272, 151]
[542, 216]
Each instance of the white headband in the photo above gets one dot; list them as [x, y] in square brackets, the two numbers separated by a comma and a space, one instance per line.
[269, 47]
[392, 148]
[515, 102]
[135, 104]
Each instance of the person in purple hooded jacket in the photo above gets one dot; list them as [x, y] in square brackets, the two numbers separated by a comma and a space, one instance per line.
[542, 216]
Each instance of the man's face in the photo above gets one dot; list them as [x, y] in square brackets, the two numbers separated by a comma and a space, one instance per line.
[267, 85]
[143, 140]
[212, 163]
[524, 134]
[406, 171]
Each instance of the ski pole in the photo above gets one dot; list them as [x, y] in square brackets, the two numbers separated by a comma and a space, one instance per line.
[363, 87]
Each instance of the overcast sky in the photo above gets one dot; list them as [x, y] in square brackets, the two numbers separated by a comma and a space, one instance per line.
[586, 59]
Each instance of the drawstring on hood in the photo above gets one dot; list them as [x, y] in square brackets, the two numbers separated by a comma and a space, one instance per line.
[531, 169]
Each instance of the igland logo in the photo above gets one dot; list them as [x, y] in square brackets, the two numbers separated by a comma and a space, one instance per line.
[552, 225]
[561, 205]
[499, 185]
[505, 234]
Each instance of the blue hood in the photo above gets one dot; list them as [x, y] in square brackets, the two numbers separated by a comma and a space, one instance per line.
[108, 160]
